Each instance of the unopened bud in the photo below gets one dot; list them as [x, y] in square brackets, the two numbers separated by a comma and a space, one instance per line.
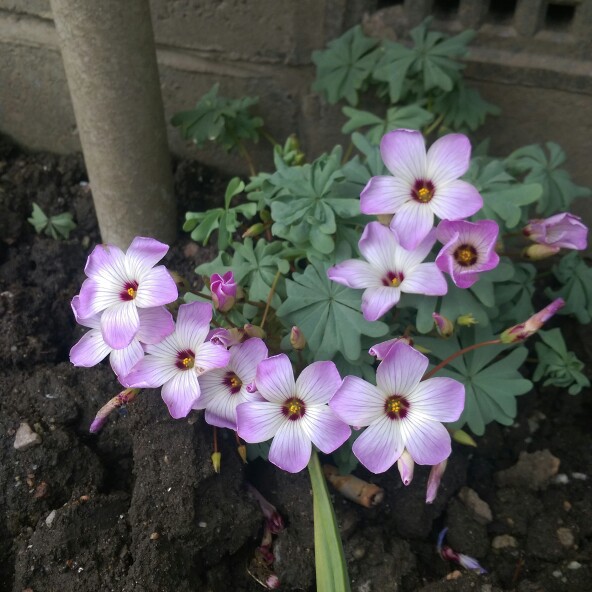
[242, 452]
[405, 464]
[462, 437]
[444, 326]
[524, 330]
[537, 252]
[254, 331]
[385, 219]
[254, 230]
[297, 339]
[123, 398]
[223, 289]
[434, 481]
[216, 461]
[467, 320]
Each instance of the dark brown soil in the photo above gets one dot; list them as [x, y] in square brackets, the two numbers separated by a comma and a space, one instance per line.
[138, 506]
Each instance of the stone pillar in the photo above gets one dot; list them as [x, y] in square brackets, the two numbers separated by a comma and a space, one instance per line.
[110, 62]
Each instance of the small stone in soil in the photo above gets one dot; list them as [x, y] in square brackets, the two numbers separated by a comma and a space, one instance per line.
[154, 536]
[26, 438]
[50, 518]
[565, 536]
[533, 470]
[480, 509]
[504, 541]
[574, 565]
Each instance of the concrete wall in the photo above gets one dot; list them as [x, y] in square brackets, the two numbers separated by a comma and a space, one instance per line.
[531, 57]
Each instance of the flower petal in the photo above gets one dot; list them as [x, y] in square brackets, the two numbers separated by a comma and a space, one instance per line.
[119, 324]
[448, 158]
[143, 254]
[275, 379]
[378, 301]
[291, 447]
[245, 357]
[428, 442]
[384, 195]
[427, 279]
[90, 350]
[358, 402]
[456, 200]
[404, 154]
[155, 324]
[210, 356]
[95, 297]
[123, 360]
[439, 399]
[155, 288]
[180, 393]
[355, 273]
[107, 263]
[380, 445]
[318, 382]
[93, 322]
[413, 223]
[259, 421]
[193, 324]
[378, 245]
[401, 370]
[151, 372]
[324, 428]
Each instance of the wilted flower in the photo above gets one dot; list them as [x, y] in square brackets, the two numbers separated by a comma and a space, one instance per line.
[562, 230]
[402, 411]
[223, 288]
[119, 284]
[524, 330]
[422, 185]
[469, 248]
[436, 473]
[294, 413]
[123, 398]
[389, 271]
[448, 554]
[180, 359]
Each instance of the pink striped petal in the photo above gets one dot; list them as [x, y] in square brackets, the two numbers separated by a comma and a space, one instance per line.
[355, 273]
[245, 357]
[95, 298]
[378, 245]
[413, 223]
[291, 448]
[123, 360]
[143, 254]
[90, 350]
[156, 287]
[275, 379]
[357, 402]
[151, 372]
[378, 301]
[106, 262]
[93, 322]
[427, 279]
[259, 421]
[401, 370]
[380, 445]
[438, 399]
[384, 195]
[119, 324]
[210, 356]
[193, 324]
[404, 154]
[456, 200]
[324, 428]
[318, 382]
[180, 393]
[448, 158]
[428, 442]
[155, 324]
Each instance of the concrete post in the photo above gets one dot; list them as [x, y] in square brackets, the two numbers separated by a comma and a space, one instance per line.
[110, 61]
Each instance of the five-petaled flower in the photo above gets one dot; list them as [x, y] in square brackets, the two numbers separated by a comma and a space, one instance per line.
[223, 389]
[180, 359]
[402, 411]
[422, 185]
[119, 283]
[562, 230]
[389, 270]
[294, 413]
[469, 248]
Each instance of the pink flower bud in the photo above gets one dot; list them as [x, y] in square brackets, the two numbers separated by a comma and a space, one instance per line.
[524, 330]
[123, 398]
[434, 481]
[406, 465]
[223, 290]
[444, 326]
[562, 230]
[297, 339]
[254, 331]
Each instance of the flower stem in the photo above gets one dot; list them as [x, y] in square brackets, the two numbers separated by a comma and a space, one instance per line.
[434, 125]
[245, 154]
[269, 298]
[459, 353]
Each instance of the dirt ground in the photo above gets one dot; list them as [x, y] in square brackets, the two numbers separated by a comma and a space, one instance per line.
[138, 507]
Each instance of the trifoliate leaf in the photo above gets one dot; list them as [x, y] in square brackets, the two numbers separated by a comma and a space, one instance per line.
[57, 227]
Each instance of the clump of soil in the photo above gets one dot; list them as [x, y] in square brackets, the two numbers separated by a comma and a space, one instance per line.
[138, 506]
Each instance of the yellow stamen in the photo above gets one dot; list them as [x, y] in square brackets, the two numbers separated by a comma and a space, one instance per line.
[424, 194]
[187, 362]
[396, 282]
[131, 292]
[393, 406]
[464, 255]
[294, 408]
[235, 382]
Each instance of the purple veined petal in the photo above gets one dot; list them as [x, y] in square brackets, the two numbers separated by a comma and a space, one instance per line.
[123, 360]
[90, 350]
[218, 400]
[427, 279]
[401, 370]
[358, 402]
[438, 399]
[318, 382]
[95, 298]
[406, 466]
[380, 350]
[275, 379]
[120, 324]
[151, 372]
[291, 447]
[413, 223]
[106, 262]
[448, 158]
[212, 387]
[447, 232]
[380, 445]
[404, 155]
[180, 393]
[378, 245]
[324, 428]
[193, 323]
[155, 324]
[405, 259]
[93, 322]
[456, 200]
[464, 279]
[384, 195]
[210, 356]
[156, 287]
[355, 273]
[428, 442]
[259, 421]
[245, 357]
[378, 301]
[143, 254]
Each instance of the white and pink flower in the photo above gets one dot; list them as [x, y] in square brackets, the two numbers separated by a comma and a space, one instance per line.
[562, 230]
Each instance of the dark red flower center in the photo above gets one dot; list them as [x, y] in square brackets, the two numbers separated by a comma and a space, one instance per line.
[423, 191]
[465, 255]
[396, 407]
[232, 382]
[294, 408]
[185, 359]
[393, 279]
[129, 291]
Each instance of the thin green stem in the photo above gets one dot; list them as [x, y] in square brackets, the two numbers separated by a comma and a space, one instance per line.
[459, 353]
[245, 154]
[269, 137]
[269, 298]
[348, 152]
[434, 125]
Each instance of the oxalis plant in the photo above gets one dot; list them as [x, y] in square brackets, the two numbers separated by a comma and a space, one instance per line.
[370, 304]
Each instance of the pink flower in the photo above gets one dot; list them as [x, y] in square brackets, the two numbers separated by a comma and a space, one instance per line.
[561, 230]
[223, 389]
[401, 411]
[155, 325]
[422, 185]
[120, 283]
[294, 413]
[469, 248]
[223, 290]
[524, 330]
[389, 271]
[177, 362]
